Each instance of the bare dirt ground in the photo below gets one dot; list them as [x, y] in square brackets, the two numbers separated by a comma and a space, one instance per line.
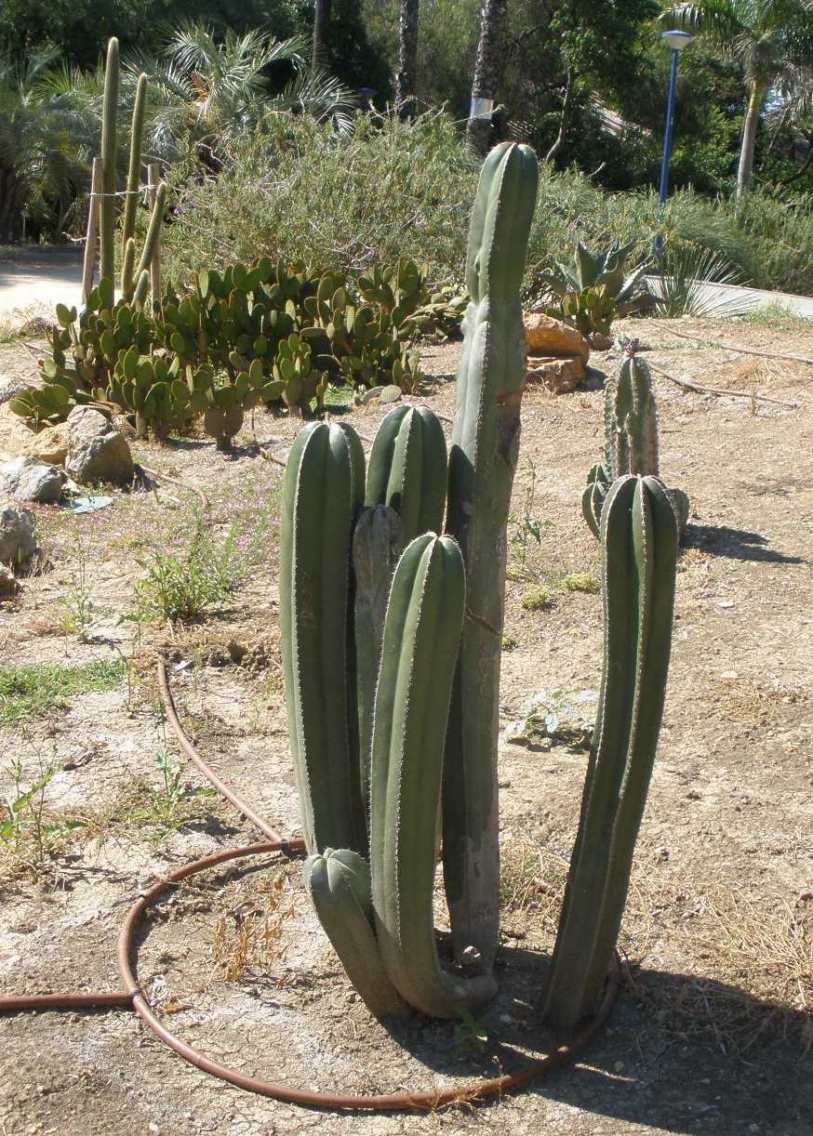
[713, 1031]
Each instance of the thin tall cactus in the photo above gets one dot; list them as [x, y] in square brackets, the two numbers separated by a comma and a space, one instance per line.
[482, 461]
[639, 546]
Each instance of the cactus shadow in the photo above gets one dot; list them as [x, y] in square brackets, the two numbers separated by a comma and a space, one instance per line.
[680, 1052]
[736, 544]
[686, 1053]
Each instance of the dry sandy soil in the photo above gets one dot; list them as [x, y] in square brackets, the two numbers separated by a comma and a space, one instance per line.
[713, 1030]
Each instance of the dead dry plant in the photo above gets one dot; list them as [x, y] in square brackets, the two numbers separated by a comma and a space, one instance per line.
[249, 938]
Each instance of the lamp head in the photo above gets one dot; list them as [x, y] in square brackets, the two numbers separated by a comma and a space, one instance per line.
[677, 40]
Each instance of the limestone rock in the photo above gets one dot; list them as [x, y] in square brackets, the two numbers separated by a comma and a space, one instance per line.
[560, 374]
[97, 451]
[50, 445]
[26, 479]
[548, 336]
[17, 541]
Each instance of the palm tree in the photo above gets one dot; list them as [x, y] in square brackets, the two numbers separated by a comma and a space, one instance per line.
[772, 39]
[46, 141]
[487, 73]
[208, 92]
[321, 35]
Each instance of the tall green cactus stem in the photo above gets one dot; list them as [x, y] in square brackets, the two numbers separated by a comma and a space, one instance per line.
[377, 544]
[108, 209]
[407, 469]
[141, 289]
[418, 656]
[134, 167]
[339, 885]
[322, 492]
[631, 421]
[153, 231]
[639, 545]
[127, 267]
[482, 461]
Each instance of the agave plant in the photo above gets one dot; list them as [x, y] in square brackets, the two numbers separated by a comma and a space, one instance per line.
[685, 283]
[596, 288]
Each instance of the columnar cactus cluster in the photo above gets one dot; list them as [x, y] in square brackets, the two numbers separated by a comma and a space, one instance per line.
[135, 276]
[630, 439]
[391, 637]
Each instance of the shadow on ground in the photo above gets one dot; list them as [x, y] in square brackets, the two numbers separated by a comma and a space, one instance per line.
[737, 544]
[680, 1052]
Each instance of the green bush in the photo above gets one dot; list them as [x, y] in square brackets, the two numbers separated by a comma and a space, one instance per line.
[400, 188]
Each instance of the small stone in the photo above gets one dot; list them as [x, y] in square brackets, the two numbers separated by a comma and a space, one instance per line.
[96, 450]
[17, 541]
[560, 374]
[618, 1067]
[27, 479]
[661, 854]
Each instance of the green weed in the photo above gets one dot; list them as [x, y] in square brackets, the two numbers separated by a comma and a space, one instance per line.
[181, 587]
[32, 690]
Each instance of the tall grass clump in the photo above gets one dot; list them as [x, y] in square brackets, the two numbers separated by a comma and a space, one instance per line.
[295, 190]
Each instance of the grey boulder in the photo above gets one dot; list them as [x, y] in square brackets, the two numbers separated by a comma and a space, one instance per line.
[17, 541]
[97, 451]
[26, 479]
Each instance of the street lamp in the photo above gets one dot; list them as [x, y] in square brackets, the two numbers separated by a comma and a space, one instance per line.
[676, 41]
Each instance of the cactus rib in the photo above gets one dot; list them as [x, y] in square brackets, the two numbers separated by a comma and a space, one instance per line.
[482, 461]
[639, 542]
[322, 491]
[407, 469]
[421, 636]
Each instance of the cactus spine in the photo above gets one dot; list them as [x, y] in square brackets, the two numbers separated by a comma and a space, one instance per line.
[482, 461]
[322, 491]
[109, 112]
[639, 546]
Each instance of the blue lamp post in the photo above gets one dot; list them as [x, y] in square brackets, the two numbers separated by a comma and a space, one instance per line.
[676, 41]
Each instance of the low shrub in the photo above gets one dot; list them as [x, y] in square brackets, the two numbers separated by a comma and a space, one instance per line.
[398, 188]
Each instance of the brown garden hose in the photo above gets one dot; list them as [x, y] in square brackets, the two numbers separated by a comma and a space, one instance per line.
[136, 999]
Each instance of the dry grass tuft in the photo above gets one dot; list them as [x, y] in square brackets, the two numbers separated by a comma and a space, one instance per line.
[248, 939]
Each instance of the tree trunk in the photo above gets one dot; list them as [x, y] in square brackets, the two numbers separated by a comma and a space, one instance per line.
[406, 75]
[487, 74]
[745, 171]
[320, 59]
